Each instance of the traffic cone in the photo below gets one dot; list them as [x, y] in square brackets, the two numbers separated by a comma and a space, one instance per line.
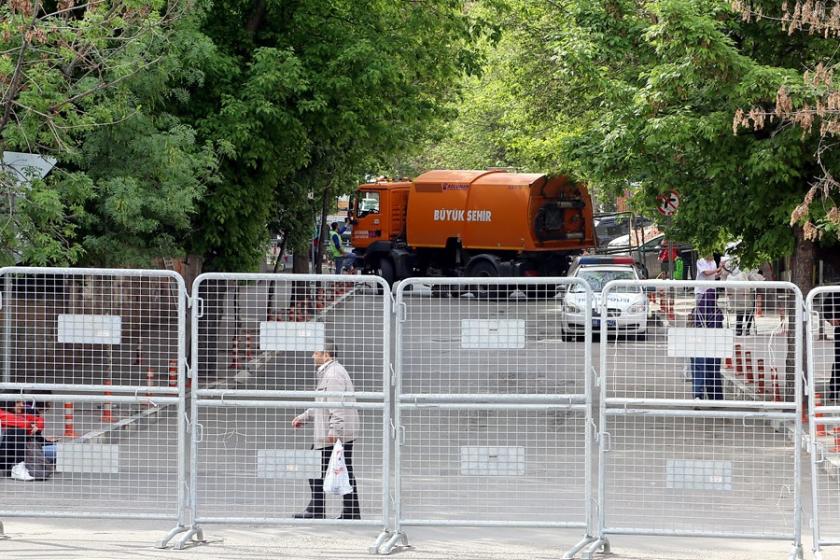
[107, 415]
[749, 370]
[173, 373]
[234, 362]
[760, 375]
[69, 430]
[249, 351]
[150, 383]
[820, 428]
[836, 433]
[777, 390]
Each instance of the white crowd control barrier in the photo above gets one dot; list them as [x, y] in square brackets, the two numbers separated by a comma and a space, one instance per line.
[267, 349]
[700, 419]
[483, 416]
[493, 405]
[823, 336]
[96, 358]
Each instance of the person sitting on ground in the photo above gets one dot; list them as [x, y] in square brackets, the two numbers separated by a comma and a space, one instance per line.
[17, 427]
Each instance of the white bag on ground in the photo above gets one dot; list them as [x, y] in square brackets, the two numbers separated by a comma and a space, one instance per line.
[337, 481]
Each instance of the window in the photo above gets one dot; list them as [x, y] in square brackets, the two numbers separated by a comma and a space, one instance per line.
[597, 279]
[367, 203]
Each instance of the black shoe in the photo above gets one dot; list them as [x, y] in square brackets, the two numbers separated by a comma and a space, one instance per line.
[306, 514]
[350, 516]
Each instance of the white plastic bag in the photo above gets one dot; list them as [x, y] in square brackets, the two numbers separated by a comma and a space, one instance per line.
[337, 480]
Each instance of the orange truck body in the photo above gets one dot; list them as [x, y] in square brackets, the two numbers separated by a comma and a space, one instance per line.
[518, 223]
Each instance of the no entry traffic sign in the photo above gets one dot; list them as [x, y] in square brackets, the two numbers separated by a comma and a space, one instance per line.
[669, 203]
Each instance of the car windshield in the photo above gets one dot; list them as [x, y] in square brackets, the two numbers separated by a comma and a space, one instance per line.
[597, 279]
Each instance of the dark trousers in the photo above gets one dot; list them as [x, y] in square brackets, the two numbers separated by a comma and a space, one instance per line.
[12, 449]
[744, 321]
[707, 382]
[350, 509]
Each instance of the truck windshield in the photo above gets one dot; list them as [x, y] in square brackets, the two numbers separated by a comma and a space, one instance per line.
[597, 279]
[367, 203]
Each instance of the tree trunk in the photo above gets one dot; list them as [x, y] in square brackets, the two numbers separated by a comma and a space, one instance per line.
[802, 274]
[322, 239]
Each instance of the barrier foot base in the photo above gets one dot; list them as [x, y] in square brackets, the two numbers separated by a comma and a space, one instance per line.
[397, 540]
[572, 552]
[165, 542]
[601, 544]
[194, 535]
[383, 536]
[796, 552]
[3, 535]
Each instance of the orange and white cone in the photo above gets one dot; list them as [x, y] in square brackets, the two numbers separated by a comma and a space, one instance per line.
[777, 389]
[748, 366]
[820, 428]
[836, 433]
[173, 373]
[69, 430]
[107, 415]
[760, 375]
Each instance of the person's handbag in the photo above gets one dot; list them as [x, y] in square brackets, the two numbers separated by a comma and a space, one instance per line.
[337, 480]
[36, 462]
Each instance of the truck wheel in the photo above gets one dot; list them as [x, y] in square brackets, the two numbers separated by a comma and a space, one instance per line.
[485, 269]
[385, 269]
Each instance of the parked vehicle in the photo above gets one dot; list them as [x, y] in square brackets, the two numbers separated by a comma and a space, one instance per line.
[627, 307]
[471, 223]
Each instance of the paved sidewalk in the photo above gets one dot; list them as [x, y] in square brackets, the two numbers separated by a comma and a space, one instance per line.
[114, 539]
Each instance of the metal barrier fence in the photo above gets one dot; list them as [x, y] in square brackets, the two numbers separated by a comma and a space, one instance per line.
[491, 422]
[97, 355]
[493, 405]
[700, 413]
[823, 336]
[269, 348]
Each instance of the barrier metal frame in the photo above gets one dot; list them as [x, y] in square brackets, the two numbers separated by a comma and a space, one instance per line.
[682, 408]
[817, 415]
[206, 397]
[537, 402]
[125, 394]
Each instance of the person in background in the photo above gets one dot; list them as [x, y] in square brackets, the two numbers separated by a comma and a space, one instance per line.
[707, 269]
[17, 427]
[742, 300]
[667, 253]
[707, 381]
[329, 426]
[336, 253]
[831, 313]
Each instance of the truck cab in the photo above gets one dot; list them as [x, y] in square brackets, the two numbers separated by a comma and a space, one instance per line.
[377, 212]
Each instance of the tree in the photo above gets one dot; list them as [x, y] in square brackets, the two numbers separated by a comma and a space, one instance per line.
[81, 83]
[643, 96]
[308, 97]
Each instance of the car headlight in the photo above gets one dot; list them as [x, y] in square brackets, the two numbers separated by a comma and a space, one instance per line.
[637, 308]
[572, 308]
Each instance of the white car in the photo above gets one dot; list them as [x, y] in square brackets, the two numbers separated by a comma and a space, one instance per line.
[627, 307]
